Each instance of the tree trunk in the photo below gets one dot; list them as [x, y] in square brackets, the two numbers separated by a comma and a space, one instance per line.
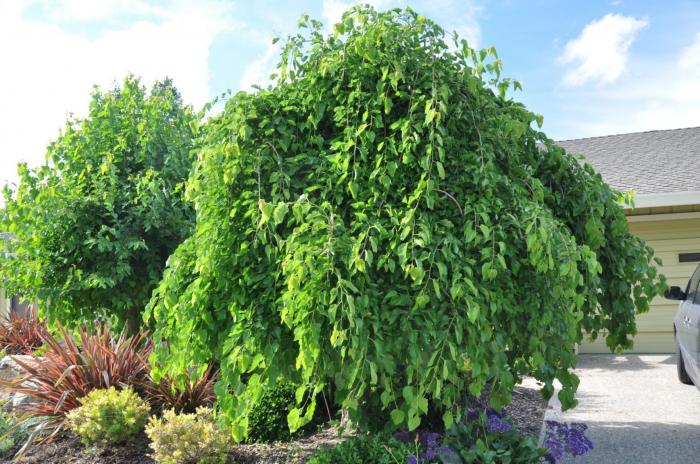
[132, 321]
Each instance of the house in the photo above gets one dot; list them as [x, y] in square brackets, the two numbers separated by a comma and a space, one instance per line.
[660, 167]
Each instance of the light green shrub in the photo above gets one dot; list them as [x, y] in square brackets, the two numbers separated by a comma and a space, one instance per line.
[108, 416]
[187, 438]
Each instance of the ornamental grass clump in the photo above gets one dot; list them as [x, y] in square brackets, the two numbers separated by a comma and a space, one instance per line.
[108, 416]
[385, 222]
[187, 438]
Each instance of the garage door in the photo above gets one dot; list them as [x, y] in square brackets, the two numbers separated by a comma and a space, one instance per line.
[670, 239]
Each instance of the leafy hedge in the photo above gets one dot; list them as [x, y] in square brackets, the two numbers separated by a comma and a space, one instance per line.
[387, 221]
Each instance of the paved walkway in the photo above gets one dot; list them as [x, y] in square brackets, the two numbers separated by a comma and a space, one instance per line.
[636, 409]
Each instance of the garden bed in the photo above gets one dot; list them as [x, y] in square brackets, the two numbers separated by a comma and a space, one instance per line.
[526, 410]
[67, 449]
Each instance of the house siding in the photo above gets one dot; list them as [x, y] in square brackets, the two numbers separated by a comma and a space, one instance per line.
[668, 238]
[4, 305]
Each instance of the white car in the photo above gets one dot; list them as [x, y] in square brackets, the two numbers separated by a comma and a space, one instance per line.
[686, 329]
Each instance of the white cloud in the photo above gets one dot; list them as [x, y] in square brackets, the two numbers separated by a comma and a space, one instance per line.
[657, 94]
[49, 70]
[600, 52]
[90, 10]
[460, 16]
[690, 57]
[258, 72]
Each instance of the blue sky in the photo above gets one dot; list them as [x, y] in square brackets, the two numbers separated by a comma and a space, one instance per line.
[591, 68]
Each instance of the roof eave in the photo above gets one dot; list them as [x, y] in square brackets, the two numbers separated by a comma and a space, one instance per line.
[656, 200]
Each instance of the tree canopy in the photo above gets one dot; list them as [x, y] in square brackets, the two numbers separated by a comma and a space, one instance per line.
[94, 225]
[386, 223]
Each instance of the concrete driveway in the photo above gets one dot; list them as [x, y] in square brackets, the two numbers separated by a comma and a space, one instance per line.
[636, 409]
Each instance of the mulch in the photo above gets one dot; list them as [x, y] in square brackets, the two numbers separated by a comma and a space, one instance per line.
[527, 411]
[67, 449]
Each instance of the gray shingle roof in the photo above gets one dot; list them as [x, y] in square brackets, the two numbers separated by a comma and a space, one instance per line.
[661, 161]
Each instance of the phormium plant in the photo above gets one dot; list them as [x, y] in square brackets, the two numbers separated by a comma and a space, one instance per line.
[183, 396]
[71, 369]
[22, 333]
[387, 221]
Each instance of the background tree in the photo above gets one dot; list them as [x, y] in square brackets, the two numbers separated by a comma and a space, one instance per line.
[94, 226]
[387, 223]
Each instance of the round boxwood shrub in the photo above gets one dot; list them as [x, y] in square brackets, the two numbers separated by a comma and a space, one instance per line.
[267, 421]
[387, 221]
[108, 416]
[187, 438]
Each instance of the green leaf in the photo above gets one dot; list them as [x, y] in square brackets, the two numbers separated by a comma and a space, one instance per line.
[473, 312]
[280, 212]
[413, 422]
[422, 405]
[408, 393]
[397, 417]
[265, 210]
[441, 169]
[295, 419]
[448, 420]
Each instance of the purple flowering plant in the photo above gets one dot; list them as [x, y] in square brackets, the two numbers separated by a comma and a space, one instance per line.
[428, 446]
[489, 436]
[497, 422]
[561, 438]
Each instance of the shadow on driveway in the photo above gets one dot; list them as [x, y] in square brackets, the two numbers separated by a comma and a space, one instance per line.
[636, 409]
[625, 362]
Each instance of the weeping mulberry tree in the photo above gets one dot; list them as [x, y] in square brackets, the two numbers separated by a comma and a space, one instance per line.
[386, 224]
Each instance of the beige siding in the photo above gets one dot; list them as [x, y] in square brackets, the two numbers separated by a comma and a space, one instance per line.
[668, 238]
[4, 306]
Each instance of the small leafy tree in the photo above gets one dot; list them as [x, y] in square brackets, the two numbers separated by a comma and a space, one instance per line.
[387, 223]
[94, 226]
